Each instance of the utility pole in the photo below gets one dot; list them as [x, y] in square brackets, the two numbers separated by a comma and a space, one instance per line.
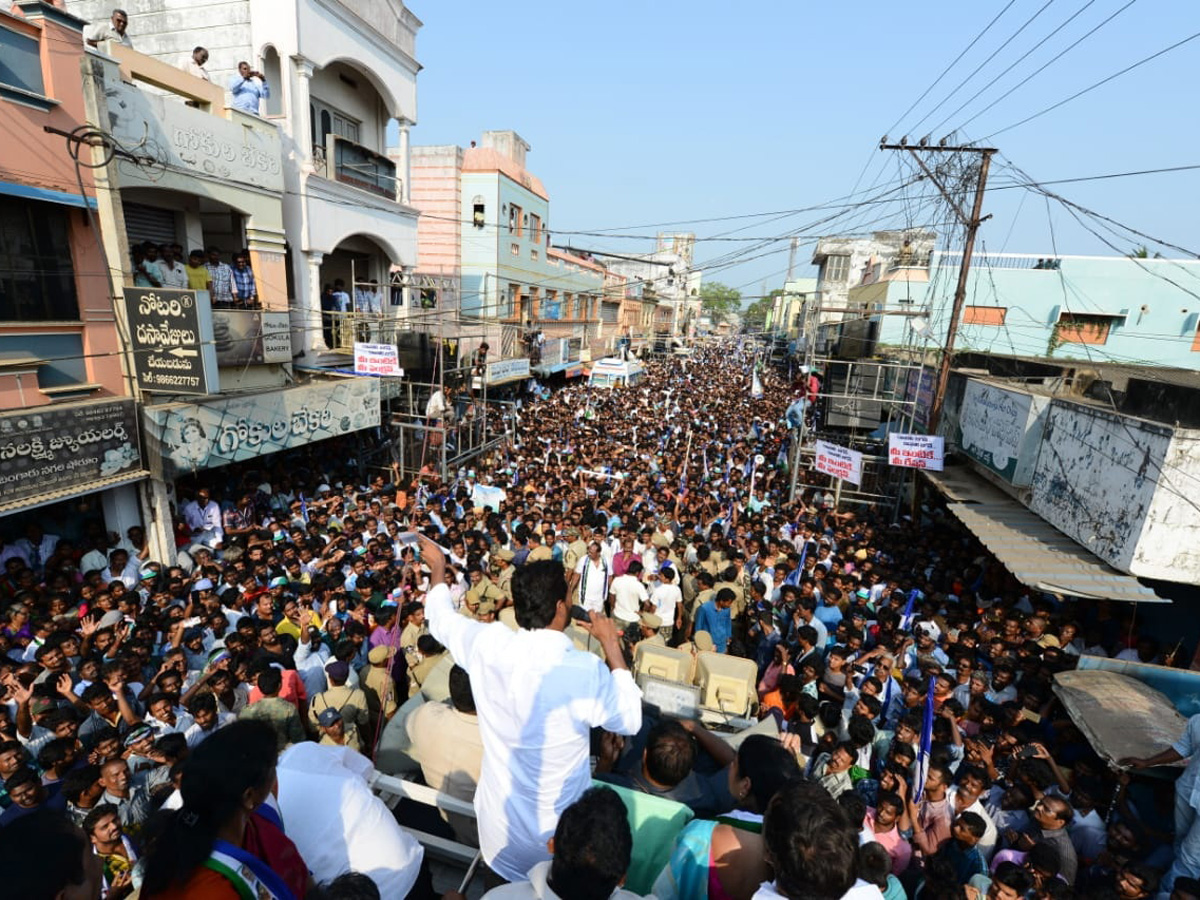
[972, 223]
[792, 258]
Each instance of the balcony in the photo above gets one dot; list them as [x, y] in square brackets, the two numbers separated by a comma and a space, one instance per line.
[353, 164]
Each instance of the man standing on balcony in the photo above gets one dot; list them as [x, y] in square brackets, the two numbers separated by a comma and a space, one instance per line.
[249, 88]
[244, 284]
[174, 274]
[367, 299]
[224, 292]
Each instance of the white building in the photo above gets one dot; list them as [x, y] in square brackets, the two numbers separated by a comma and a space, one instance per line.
[846, 262]
[666, 274]
[340, 72]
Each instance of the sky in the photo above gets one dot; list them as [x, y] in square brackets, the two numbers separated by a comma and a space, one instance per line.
[649, 113]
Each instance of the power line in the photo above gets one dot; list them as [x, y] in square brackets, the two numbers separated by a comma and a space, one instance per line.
[1020, 59]
[1046, 65]
[977, 69]
[946, 70]
[1092, 87]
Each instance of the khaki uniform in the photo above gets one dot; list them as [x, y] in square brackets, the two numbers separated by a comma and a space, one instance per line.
[576, 550]
[504, 583]
[539, 553]
[350, 702]
[421, 671]
[486, 590]
[379, 688]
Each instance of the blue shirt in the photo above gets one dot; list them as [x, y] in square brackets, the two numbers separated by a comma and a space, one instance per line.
[829, 616]
[247, 93]
[717, 622]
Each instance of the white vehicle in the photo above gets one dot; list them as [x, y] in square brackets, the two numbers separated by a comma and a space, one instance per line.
[613, 372]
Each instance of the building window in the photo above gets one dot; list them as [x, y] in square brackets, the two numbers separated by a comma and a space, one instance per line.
[580, 306]
[477, 214]
[509, 307]
[551, 309]
[984, 315]
[837, 268]
[515, 249]
[21, 62]
[533, 254]
[37, 279]
[535, 228]
[334, 122]
[534, 312]
[1084, 328]
[514, 220]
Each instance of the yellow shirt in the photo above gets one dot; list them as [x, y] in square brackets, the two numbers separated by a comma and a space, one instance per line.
[197, 278]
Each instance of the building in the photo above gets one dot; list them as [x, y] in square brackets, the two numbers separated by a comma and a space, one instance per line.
[886, 256]
[667, 277]
[786, 317]
[217, 381]
[484, 212]
[1112, 309]
[70, 457]
[341, 74]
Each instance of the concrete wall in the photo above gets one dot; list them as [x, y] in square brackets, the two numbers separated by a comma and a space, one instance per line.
[1096, 479]
[437, 193]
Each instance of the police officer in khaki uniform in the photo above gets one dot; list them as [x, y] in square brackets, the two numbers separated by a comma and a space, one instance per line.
[482, 588]
[538, 551]
[502, 563]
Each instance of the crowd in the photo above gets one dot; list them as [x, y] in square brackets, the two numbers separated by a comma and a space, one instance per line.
[479, 633]
[229, 287]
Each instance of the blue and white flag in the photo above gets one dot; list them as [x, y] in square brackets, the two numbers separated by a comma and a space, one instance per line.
[926, 744]
[706, 464]
[303, 509]
[756, 387]
[906, 619]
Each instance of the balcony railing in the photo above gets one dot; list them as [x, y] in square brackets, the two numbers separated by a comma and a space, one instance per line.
[353, 164]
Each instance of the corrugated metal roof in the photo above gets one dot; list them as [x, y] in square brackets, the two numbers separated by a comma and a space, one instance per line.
[1042, 557]
[99, 484]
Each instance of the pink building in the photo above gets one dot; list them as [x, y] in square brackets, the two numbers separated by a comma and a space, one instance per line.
[68, 424]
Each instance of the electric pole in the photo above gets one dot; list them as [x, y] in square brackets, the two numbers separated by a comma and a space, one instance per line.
[972, 224]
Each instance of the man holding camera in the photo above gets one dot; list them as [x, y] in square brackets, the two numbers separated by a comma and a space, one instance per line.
[249, 88]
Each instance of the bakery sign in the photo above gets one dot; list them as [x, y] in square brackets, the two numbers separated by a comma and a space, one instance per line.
[55, 448]
[193, 436]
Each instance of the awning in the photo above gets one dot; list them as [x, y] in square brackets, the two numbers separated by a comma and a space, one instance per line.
[1044, 558]
[68, 493]
[46, 195]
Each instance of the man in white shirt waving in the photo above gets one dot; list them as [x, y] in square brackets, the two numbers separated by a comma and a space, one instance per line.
[537, 699]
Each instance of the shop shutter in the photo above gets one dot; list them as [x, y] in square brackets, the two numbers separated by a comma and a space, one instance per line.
[149, 223]
[610, 312]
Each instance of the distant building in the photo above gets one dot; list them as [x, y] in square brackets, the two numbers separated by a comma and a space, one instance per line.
[900, 257]
[487, 215]
[668, 276]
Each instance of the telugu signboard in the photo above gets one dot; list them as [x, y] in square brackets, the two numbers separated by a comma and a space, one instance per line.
[840, 462]
[506, 370]
[251, 337]
[377, 359]
[1001, 429]
[192, 436]
[54, 448]
[171, 334]
[916, 451]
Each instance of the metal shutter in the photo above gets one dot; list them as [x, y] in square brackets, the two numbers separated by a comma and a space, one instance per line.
[610, 312]
[149, 223]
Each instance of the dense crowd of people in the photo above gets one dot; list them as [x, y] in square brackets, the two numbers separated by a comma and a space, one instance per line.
[480, 632]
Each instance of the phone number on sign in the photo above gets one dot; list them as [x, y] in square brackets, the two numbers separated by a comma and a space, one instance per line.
[172, 380]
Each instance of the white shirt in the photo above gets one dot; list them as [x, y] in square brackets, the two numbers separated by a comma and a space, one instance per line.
[628, 595]
[206, 518]
[665, 597]
[537, 698]
[538, 888]
[861, 890]
[195, 734]
[599, 579]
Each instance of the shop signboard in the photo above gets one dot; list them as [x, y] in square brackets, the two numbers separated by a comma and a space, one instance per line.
[193, 436]
[506, 370]
[245, 337]
[916, 451]
[1001, 429]
[171, 334]
[49, 449]
[840, 462]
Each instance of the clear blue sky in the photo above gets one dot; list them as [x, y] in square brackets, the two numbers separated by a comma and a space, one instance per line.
[656, 112]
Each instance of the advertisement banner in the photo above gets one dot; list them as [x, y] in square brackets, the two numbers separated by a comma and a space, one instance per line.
[56, 448]
[840, 462]
[251, 337]
[192, 436]
[377, 359]
[1001, 429]
[916, 451]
